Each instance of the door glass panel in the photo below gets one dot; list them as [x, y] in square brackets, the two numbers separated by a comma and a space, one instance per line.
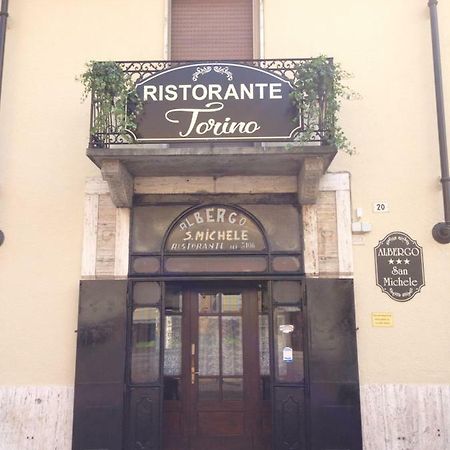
[208, 303]
[149, 224]
[173, 299]
[208, 389]
[232, 388]
[286, 264]
[281, 224]
[147, 293]
[286, 291]
[208, 341]
[265, 387]
[145, 345]
[172, 346]
[172, 342]
[289, 344]
[228, 264]
[172, 388]
[231, 303]
[264, 360]
[263, 300]
[146, 264]
[232, 345]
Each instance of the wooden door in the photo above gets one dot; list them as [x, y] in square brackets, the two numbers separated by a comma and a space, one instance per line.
[216, 402]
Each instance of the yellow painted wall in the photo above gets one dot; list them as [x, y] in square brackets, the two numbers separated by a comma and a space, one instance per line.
[43, 139]
[387, 47]
[44, 132]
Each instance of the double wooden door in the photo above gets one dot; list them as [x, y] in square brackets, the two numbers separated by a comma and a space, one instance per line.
[216, 370]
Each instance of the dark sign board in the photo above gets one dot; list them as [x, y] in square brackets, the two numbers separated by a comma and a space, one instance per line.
[213, 229]
[399, 266]
[215, 102]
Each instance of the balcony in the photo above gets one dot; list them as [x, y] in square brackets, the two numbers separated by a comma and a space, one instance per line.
[150, 151]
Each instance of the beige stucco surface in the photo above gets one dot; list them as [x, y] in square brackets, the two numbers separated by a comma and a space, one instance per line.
[44, 131]
[387, 47]
[43, 138]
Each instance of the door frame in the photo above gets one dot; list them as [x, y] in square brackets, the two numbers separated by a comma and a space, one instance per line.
[250, 407]
[204, 281]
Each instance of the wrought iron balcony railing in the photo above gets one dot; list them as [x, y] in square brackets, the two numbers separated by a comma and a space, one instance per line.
[113, 133]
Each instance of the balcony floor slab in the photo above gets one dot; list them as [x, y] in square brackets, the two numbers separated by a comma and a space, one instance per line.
[212, 160]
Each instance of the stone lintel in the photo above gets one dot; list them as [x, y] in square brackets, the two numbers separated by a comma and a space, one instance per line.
[120, 182]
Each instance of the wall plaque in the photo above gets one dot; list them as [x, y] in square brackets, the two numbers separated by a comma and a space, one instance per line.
[399, 266]
[213, 229]
[215, 102]
[382, 320]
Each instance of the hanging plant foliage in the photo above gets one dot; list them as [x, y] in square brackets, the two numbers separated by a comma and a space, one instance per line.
[319, 90]
[114, 98]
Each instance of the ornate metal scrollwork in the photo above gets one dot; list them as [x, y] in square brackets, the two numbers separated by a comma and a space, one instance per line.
[140, 70]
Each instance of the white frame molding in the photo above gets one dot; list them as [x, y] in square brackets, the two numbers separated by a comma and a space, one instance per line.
[96, 186]
[167, 29]
[339, 183]
[260, 29]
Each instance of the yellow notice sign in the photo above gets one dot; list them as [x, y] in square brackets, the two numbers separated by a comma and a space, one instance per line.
[382, 320]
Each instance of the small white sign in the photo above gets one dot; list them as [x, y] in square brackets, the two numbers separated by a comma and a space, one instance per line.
[286, 328]
[287, 354]
[380, 207]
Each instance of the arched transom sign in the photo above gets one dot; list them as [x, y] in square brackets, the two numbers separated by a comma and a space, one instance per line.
[215, 229]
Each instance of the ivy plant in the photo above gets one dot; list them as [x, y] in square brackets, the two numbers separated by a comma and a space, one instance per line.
[114, 97]
[319, 88]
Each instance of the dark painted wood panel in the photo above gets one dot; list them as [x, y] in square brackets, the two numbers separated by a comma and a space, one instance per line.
[98, 413]
[144, 419]
[333, 365]
[332, 331]
[222, 443]
[290, 418]
[216, 423]
[174, 435]
[101, 331]
[172, 422]
[265, 438]
[335, 416]
[99, 380]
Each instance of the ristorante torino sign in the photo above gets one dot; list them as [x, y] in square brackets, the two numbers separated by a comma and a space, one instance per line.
[215, 102]
[399, 266]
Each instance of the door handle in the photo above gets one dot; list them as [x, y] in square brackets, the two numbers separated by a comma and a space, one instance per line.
[193, 373]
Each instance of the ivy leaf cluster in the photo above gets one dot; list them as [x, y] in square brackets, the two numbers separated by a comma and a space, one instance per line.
[319, 88]
[114, 98]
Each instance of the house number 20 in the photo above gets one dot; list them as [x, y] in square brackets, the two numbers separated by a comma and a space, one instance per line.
[380, 207]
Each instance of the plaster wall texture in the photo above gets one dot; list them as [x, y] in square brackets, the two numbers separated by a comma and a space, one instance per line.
[44, 131]
[387, 47]
[43, 167]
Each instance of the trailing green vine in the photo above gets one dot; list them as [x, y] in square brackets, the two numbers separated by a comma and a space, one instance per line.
[114, 97]
[319, 89]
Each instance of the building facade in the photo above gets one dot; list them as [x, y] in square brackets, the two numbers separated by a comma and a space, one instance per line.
[204, 281]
